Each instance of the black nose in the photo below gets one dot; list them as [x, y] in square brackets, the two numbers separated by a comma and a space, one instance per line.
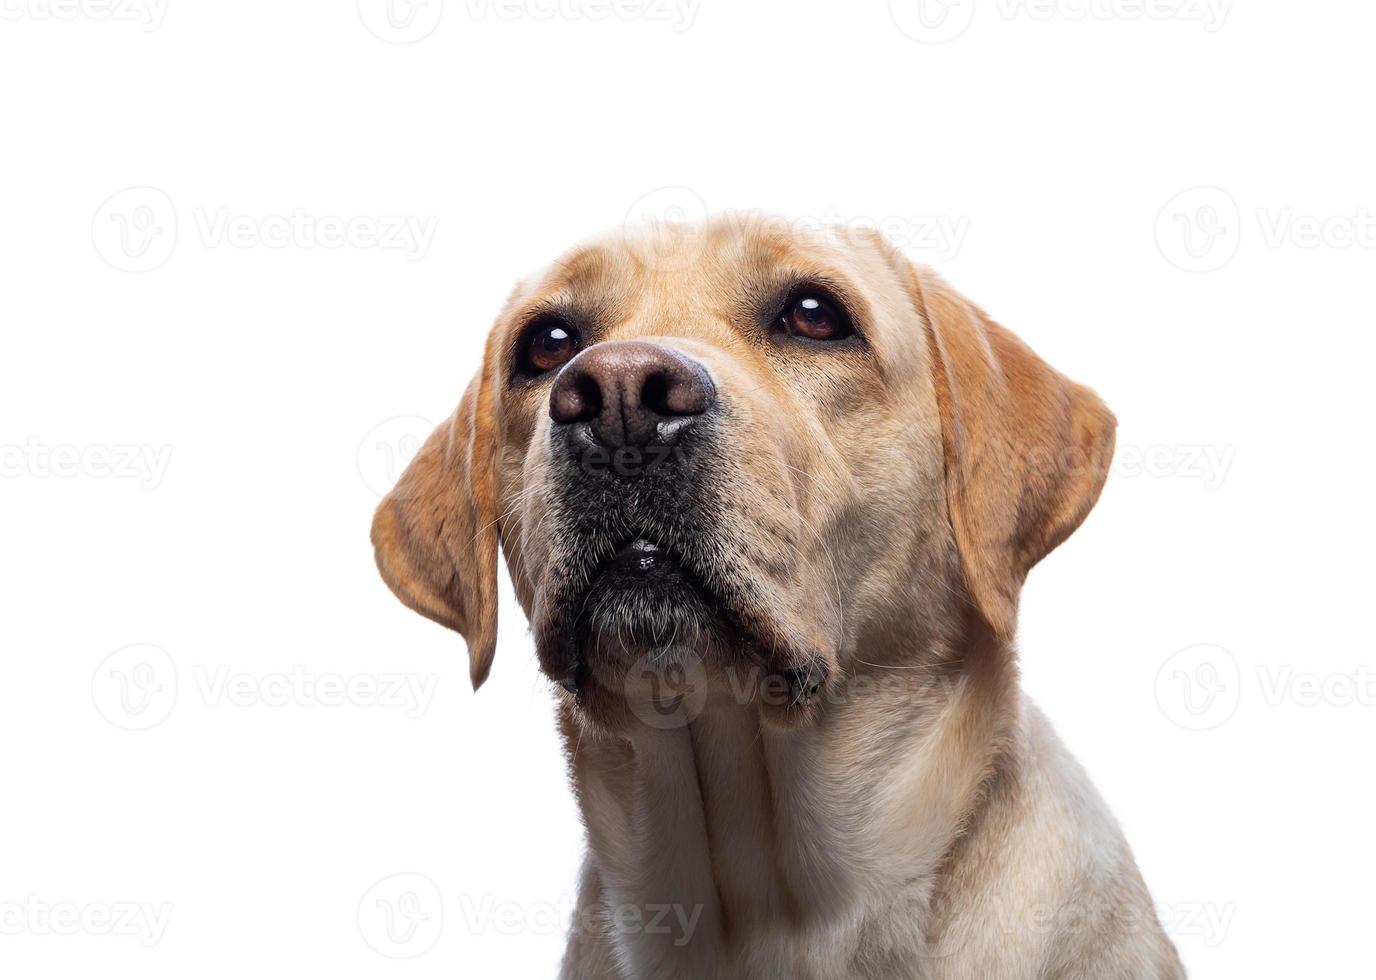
[631, 392]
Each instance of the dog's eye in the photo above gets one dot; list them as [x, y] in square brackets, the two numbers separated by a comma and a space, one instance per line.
[549, 346]
[815, 318]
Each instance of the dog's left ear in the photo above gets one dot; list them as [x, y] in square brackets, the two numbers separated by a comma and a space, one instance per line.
[1027, 450]
[435, 534]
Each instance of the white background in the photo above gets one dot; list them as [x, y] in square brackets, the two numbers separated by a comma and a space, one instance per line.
[204, 393]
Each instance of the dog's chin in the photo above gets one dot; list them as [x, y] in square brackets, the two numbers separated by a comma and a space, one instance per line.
[643, 599]
[651, 640]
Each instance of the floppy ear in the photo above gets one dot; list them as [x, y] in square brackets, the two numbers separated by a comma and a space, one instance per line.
[435, 534]
[1027, 450]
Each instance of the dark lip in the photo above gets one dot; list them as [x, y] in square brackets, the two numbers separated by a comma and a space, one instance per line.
[639, 554]
[644, 562]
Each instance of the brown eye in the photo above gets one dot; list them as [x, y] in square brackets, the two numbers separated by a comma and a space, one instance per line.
[548, 347]
[815, 318]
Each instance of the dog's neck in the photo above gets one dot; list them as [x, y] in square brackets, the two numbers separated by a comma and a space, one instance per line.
[729, 828]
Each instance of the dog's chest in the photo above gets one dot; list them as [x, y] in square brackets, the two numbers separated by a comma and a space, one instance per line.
[726, 850]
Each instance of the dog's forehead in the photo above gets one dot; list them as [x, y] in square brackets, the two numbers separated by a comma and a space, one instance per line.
[661, 269]
[718, 254]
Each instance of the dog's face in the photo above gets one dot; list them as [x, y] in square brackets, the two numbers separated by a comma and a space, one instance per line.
[764, 447]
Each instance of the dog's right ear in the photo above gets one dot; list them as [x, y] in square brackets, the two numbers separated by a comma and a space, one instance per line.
[435, 534]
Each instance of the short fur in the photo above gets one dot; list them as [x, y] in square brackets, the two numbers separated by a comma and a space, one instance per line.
[868, 515]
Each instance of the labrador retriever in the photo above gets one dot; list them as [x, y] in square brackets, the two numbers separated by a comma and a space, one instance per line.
[768, 494]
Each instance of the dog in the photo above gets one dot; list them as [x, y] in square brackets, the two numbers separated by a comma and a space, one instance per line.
[767, 495]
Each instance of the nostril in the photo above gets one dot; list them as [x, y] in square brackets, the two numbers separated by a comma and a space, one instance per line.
[654, 393]
[576, 397]
[590, 394]
[677, 390]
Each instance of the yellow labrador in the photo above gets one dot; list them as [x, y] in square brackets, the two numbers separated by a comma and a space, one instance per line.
[768, 496]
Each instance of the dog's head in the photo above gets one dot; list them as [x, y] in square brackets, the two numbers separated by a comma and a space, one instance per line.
[769, 446]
